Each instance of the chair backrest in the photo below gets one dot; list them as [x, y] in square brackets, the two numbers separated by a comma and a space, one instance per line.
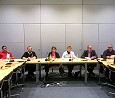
[111, 73]
[4, 86]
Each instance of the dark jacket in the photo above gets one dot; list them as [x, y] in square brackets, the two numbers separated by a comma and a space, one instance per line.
[57, 54]
[108, 53]
[26, 54]
[85, 54]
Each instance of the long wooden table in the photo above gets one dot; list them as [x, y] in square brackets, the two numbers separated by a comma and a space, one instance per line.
[76, 61]
[5, 71]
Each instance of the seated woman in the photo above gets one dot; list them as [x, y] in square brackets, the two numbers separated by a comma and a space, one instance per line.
[53, 55]
[69, 54]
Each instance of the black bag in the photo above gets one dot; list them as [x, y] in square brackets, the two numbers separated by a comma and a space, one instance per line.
[61, 70]
[77, 74]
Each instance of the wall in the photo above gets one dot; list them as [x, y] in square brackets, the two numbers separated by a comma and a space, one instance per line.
[46, 23]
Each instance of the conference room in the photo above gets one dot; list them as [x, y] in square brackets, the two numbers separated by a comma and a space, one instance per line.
[57, 48]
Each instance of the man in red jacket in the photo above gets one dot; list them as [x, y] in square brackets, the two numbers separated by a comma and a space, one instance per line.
[4, 54]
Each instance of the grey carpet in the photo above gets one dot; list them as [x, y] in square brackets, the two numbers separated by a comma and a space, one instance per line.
[65, 92]
[75, 88]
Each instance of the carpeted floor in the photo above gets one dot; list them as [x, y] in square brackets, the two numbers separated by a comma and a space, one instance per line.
[73, 88]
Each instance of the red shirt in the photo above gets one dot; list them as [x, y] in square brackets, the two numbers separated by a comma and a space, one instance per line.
[54, 55]
[3, 55]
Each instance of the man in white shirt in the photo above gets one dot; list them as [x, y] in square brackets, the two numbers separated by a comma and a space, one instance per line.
[69, 54]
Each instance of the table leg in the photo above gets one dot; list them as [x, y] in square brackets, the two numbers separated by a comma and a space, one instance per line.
[1, 95]
[80, 69]
[99, 72]
[86, 73]
[9, 89]
[37, 73]
[23, 71]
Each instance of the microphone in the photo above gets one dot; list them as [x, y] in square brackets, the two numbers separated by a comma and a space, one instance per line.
[79, 52]
[46, 57]
[68, 52]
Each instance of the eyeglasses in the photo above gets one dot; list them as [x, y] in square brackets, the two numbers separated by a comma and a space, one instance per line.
[89, 48]
[109, 47]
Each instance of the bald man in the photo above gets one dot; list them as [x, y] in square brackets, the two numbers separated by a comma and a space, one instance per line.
[90, 53]
[109, 53]
[29, 54]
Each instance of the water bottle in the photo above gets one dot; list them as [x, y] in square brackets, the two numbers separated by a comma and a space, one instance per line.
[8, 56]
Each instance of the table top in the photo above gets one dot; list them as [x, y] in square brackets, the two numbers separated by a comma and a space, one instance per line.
[8, 67]
[108, 62]
[60, 61]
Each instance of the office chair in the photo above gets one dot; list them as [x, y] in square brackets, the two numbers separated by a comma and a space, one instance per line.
[18, 74]
[62, 73]
[53, 74]
[102, 70]
[109, 82]
[101, 67]
[112, 70]
[5, 87]
[106, 78]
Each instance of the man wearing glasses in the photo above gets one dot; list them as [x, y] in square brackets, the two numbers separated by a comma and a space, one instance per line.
[109, 53]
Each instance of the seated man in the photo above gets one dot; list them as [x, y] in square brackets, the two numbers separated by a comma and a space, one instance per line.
[4, 54]
[53, 55]
[109, 53]
[69, 54]
[30, 67]
[91, 54]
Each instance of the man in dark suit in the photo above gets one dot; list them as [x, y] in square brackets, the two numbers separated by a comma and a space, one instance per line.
[30, 67]
[91, 54]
